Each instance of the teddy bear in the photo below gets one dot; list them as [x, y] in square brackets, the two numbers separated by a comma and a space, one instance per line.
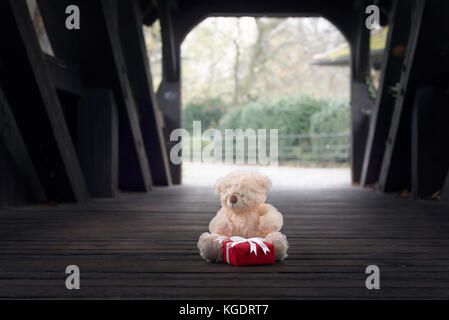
[243, 213]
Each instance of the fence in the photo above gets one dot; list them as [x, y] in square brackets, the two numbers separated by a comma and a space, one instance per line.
[329, 148]
[314, 148]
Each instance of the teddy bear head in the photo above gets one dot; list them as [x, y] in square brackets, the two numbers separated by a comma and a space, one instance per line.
[241, 191]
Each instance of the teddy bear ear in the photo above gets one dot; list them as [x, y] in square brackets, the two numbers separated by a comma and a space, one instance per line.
[264, 182]
[218, 186]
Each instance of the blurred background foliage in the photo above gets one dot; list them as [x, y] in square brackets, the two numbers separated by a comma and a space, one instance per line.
[209, 111]
[288, 114]
[257, 73]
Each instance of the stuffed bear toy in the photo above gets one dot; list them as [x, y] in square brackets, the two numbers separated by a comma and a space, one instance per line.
[243, 213]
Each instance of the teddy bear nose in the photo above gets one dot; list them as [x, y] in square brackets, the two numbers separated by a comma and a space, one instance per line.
[233, 199]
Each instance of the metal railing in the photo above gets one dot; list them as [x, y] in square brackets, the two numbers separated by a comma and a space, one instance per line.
[328, 148]
[314, 148]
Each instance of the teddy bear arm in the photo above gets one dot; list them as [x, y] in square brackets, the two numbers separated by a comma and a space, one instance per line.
[220, 224]
[271, 219]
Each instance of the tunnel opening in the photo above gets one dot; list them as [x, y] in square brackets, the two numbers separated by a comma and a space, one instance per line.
[258, 73]
[290, 74]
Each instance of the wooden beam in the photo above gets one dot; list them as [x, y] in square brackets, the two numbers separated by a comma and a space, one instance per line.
[170, 60]
[98, 142]
[65, 77]
[169, 91]
[430, 134]
[398, 31]
[150, 15]
[395, 172]
[98, 68]
[169, 99]
[13, 142]
[50, 98]
[110, 11]
[139, 74]
[94, 49]
[425, 64]
[361, 102]
[190, 13]
[38, 110]
[67, 44]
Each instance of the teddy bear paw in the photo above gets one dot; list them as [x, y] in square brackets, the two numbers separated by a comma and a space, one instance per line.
[210, 249]
[280, 244]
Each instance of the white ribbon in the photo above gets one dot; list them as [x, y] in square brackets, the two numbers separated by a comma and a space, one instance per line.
[253, 242]
[220, 239]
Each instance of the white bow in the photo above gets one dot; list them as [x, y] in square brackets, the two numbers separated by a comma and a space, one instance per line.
[253, 242]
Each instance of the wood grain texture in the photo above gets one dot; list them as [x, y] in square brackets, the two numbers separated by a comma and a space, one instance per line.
[144, 246]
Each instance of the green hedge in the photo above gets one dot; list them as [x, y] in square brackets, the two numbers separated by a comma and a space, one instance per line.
[208, 111]
[290, 115]
[332, 119]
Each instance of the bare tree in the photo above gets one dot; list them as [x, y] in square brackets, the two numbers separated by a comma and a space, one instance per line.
[236, 42]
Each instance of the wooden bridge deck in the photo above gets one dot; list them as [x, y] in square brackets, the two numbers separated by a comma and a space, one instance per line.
[144, 246]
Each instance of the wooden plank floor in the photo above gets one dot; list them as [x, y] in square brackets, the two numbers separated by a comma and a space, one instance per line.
[144, 246]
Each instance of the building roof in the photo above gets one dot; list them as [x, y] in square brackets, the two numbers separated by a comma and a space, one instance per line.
[340, 56]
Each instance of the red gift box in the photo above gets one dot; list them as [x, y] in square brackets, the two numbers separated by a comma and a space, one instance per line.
[242, 252]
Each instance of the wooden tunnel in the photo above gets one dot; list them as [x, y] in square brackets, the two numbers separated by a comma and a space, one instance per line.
[85, 120]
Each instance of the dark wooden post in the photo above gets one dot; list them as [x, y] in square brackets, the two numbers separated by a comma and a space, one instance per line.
[169, 92]
[139, 73]
[430, 136]
[396, 164]
[98, 142]
[361, 103]
[170, 47]
[398, 31]
[426, 64]
[110, 11]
